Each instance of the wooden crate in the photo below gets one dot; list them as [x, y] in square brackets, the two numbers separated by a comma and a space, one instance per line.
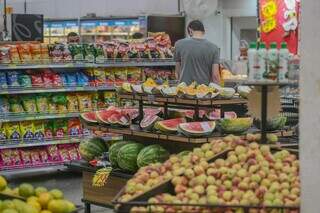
[101, 195]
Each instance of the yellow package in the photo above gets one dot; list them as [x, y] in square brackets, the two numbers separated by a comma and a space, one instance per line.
[52, 107]
[26, 129]
[13, 130]
[62, 108]
[85, 102]
[72, 103]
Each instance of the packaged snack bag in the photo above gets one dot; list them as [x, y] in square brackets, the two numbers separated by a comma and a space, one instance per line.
[62, 108]
[36, 80]
[109, 98]
[48, 129]
[3, 80]
[42, 103]
[44, 53]
[15, 104]
[99, 76]
[26, 157]
[73, 153]
[4, 105]
[85, 103]
[56, 80]
[44, 155]
[29, 104]
[74, 127]
[24, 52]
[64, 79]
[64, 153]
[5, 55]
[82, 79]
[35, 50]
[95, 100]
[35, 157]
[133, 74]
[15, 158]
[59, 99]
[47, 78]
[24, 80]
[109, 76]
[72, 103]
[14, 54]
[38, 129]
[120, 75]
[56, 52]
[3, 135]
[53, 153]
[77, 52]
[5, 155]
[12, 78]
[109, 49]
[26, 129]
[60, 128]
[52, 107]
[71, 79]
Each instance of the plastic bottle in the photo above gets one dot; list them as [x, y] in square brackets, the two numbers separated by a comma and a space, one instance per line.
[283, 63]
[252, 61]
[273, 63]
[262, 65]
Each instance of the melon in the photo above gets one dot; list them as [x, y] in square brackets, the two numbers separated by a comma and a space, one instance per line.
[127, 156]
[216, 115]
[103, 115]
[133, 113]
[113, 152]
[119, 118]
[169, 91]
[89, 117]
[244, 91]
[273, 124]
[197, 129]
[148, 121]
[152, 154]
[92, 148]
[227, 92]
[152, 111]
[236, 125]
[190, 114]
[169, 126]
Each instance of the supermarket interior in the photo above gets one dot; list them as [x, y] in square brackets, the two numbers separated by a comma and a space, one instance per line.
[187, 106]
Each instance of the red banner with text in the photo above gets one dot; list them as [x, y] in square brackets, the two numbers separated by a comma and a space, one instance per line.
[280, 22]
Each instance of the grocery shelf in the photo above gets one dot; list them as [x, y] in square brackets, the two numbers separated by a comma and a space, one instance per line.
[13, 117]
[28, 90]
[106, 63]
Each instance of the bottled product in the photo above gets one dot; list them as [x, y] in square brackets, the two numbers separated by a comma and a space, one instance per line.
[262, 64]
[273, 63]
[283, 63]
[253, 62]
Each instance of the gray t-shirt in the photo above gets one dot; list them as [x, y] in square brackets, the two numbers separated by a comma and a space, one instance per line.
[197, 57]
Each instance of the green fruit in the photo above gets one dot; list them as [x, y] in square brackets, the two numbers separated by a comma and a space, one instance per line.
[8, 204]
[56, 194]
[235, 125]
[26, 190]
[273, 124]
[127, 156]
[40, 190]
[92, 148]
[58, 206]
[10, 211]
[113, 152]
[152, 154]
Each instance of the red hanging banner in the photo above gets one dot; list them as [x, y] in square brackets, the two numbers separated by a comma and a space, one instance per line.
[280, 22]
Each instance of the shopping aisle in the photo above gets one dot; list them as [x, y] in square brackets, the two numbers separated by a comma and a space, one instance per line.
[69, 183]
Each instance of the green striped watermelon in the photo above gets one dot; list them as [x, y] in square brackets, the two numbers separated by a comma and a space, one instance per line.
[92, 148]
[152, 154]
[127, 156]
[113, 152]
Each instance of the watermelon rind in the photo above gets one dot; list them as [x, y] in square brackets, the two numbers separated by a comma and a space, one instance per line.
[236, 125]
[92, 148]
[273, 124]
[185, 129]
[152, 154]
[148, 122]
[88, 117]
[163, 127]
[113, 152]
[127, 156]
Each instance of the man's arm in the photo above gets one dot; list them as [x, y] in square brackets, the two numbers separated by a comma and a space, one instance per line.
[216, 78]
[178, 70]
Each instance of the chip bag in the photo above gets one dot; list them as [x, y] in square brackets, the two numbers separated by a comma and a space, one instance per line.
[29, 104]
[3, 135]
[53, 153]
[13, 131]
[24, 52]
[12, 79]
[48, 129]
[35, 157]
[44, 155]
[42, 104]
[15, 104]
[74, 127]
[3, 80]
[26, 129]
[4, 105]
[24, 80]
[85, 103]
[35, 50]
[60, 128]
[15, 157]
[39, 131]
[72, 103]
[64, 153]
[5, 155]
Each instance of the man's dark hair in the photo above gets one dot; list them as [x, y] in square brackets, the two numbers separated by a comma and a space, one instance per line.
[196, 25]
[137, 35]
[72, 34]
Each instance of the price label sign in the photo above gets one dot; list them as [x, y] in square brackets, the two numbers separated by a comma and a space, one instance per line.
[101, 176]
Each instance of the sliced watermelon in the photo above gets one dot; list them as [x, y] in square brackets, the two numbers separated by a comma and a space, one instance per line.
[190, 113]
[119, 118]
[104, 115]
[133, 113]
[89, 117]
[169, 126]
[148, 121]
[152, 111]
[197, 129]
[216, 115]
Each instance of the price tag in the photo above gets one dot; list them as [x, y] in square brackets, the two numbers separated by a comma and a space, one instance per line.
[205, 126]
[101, 176]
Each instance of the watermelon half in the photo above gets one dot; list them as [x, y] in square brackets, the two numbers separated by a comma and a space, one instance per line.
[104, 115]
[92, 148]
[113, 152]
[152, 154]
[148, 121]
[169, 126]
[127, 156]
[119, 118]
[197, 129]
[89, 117]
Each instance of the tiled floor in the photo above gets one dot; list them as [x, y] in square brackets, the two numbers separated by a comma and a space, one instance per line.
[69, 183]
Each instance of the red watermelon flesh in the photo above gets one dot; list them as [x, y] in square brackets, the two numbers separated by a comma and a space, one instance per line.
[104, 115]
[216, 115]
[190, 113]
[119, 118]
[169, 125]
[197, 129]
[133, 113]
[148, 121]
[151, 111]
[89, 117]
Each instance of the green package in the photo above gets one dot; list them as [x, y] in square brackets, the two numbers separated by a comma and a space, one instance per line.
[15, 104]
[29, 104]
[60, 128]
[42, 103]
[24, 81]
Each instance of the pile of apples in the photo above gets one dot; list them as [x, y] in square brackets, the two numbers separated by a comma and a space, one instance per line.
[154, 174]
[249, 175]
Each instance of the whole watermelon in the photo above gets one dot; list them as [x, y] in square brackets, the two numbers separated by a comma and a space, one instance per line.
[127, 156]
[113, 152]
[92, 148]
[152, 154]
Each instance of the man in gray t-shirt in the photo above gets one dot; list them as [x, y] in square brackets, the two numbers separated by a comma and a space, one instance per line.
[196, 58]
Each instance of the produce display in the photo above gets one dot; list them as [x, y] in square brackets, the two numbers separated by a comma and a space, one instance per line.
[37, 200]
[249, 175]
[235, 125]
[197, 129]
[169, 126]
[272, 124]
[92, 148]
[19, 158]
[152, 154]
